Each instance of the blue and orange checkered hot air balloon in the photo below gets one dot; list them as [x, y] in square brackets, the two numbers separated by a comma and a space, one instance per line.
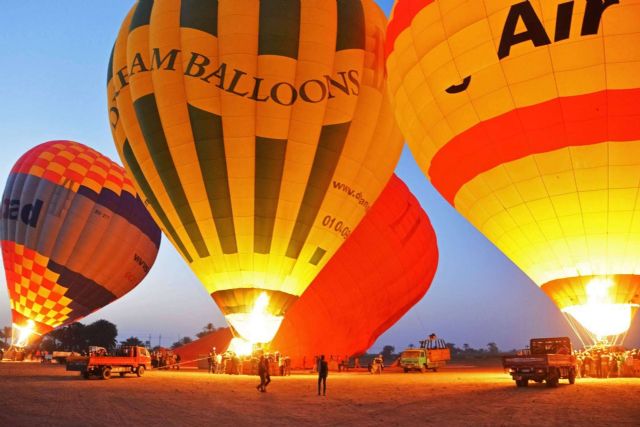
[75, 235]
[525, 115]
[259, 133]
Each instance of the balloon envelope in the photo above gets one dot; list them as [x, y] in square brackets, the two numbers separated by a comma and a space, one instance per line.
[385, 267]
[75, 236]
[258, 133]
[525, 116]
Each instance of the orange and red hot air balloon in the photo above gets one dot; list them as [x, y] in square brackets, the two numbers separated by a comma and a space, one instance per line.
[525, 115]
[383, 269]
[258, 133]
[75, 236]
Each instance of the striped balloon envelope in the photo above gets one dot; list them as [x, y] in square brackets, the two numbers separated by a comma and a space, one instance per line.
[525, 115]
[75, 236]
[259, 133]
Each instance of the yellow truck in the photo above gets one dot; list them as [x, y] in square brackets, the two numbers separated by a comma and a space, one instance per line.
[432, 354]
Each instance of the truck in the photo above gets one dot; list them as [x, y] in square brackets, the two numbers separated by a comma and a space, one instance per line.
[546, 359]
[126, 360]
[432, 354]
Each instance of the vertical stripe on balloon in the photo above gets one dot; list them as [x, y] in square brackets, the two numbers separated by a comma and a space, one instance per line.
[268, 177]
[279, 28]
[208, 138]
[151, 127]
[330, 145]
[136, 171]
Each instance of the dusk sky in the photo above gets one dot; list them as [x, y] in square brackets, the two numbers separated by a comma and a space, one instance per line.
[53, 86]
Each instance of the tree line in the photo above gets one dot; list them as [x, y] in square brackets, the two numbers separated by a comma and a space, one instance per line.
[102, 333]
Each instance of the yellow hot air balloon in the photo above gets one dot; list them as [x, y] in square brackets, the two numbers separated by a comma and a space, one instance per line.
[259, 133]
[525, 115]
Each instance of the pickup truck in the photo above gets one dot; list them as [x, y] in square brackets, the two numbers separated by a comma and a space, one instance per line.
[432, 354]
[547, 359]
[127, 360]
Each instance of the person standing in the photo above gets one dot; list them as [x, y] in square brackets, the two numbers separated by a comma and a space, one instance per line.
[323, 372]
[280, 360]
[214, 360]
[261, 373]
[267, 373]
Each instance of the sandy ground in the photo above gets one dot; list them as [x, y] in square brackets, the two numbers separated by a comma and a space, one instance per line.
[39, 395]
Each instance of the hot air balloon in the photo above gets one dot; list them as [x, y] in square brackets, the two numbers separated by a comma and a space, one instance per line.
[525, 116]
[259, 133]
[381, 271]
[75, 236]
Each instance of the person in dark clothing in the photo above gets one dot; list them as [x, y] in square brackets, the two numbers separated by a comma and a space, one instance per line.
[267, 374]
[211, 361]
[323, 371]
[261, 373]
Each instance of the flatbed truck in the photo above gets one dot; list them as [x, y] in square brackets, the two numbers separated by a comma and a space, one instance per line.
[127, 360]
[547, 359]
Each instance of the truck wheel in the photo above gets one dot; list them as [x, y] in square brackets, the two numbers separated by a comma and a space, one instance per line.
[552, 382]
[140, 371]
[85, 374]
[122, 374]
[406, 370]
[434, 369]
[522, 383]
[105, 374]
[572, 377]
[423, 369]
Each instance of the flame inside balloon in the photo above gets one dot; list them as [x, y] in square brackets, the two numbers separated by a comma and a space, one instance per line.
[600, 315]
[241, 347]
[258, 325]
[24, 333]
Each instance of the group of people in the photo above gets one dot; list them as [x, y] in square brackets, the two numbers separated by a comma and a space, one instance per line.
[224, 363]
[165, 360]
[608, 363]
[231, 363]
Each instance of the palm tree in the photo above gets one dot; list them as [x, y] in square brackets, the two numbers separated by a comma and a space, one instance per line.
[387, 351]
[7, 331]
[209, 328]
[133, 341]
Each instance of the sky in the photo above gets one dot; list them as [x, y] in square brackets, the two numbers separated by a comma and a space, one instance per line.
[53, 62]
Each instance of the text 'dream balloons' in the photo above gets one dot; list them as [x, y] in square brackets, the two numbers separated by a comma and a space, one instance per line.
[385, 267]
[75, 236]
[259, 133]
[525, 115]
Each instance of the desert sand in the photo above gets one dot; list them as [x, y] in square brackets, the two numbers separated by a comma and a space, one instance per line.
[47, 395]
